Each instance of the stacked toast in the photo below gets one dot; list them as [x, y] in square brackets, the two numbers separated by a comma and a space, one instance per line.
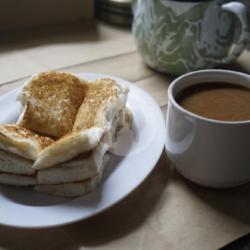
[61, 140]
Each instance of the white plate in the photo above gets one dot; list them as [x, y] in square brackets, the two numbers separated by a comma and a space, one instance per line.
[22, 207]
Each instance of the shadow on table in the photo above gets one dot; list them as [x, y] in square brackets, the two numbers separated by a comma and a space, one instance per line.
[85, 31]
[126, 216]
[236, 66]
[115, 223]
[234, 202]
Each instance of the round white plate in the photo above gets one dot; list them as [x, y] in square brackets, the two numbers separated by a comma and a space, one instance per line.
[23, 207]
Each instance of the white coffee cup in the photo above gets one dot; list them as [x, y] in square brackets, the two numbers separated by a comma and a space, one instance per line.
[208, 152]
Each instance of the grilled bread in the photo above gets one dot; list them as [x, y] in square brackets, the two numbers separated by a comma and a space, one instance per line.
[68, 147]
[14, 164]
[70, 189]
[82, 167]
[21, 141]
[103, 100]
[17, 180]
[51, 101]
[63, 134]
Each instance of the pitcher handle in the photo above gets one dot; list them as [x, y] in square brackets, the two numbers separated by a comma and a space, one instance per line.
[240, 11]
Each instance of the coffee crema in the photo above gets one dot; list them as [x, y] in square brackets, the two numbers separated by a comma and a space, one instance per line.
[219, 101]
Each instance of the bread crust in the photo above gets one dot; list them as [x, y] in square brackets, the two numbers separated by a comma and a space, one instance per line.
[21, 141]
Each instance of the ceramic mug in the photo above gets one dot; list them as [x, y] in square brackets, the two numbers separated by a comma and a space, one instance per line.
[208, 152]
[181, 36]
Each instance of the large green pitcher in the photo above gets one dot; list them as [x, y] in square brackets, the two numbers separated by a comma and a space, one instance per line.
[181, 36]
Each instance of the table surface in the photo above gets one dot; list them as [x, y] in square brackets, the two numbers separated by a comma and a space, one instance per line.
[165, 211]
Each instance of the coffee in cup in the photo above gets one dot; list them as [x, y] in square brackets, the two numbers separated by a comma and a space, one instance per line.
[217, 100]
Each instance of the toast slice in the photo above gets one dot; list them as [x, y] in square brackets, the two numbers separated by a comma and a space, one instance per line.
[22, 142]
[100, 109]
[14, 164]
[50, 102]
[17, 180]
[84, 128]
[103, 100]
[83, 167]
[70, 189]
[68, 147]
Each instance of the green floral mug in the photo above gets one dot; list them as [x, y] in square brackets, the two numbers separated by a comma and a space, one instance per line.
[181, 36]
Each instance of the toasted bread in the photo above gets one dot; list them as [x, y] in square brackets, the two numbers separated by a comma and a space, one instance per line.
[14, 164]
[84, 167]
[103, 99]
[22, 142]
[82, 117]
[17, 180]
[70, 189]
[51, 101]
[104, 107]
[68, 147]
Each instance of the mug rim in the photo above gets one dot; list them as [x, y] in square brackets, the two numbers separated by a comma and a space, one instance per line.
[173, 84]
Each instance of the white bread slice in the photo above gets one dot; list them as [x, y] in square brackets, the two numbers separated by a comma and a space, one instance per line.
[22, 142]
[68, 147]
[89, 164]
[50, 102]
[103, 100]
[70, 189]
[77, 169]
[14, 164]
[17, 180]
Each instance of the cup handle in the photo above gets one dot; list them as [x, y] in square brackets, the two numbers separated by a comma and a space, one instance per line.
[240, 11]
